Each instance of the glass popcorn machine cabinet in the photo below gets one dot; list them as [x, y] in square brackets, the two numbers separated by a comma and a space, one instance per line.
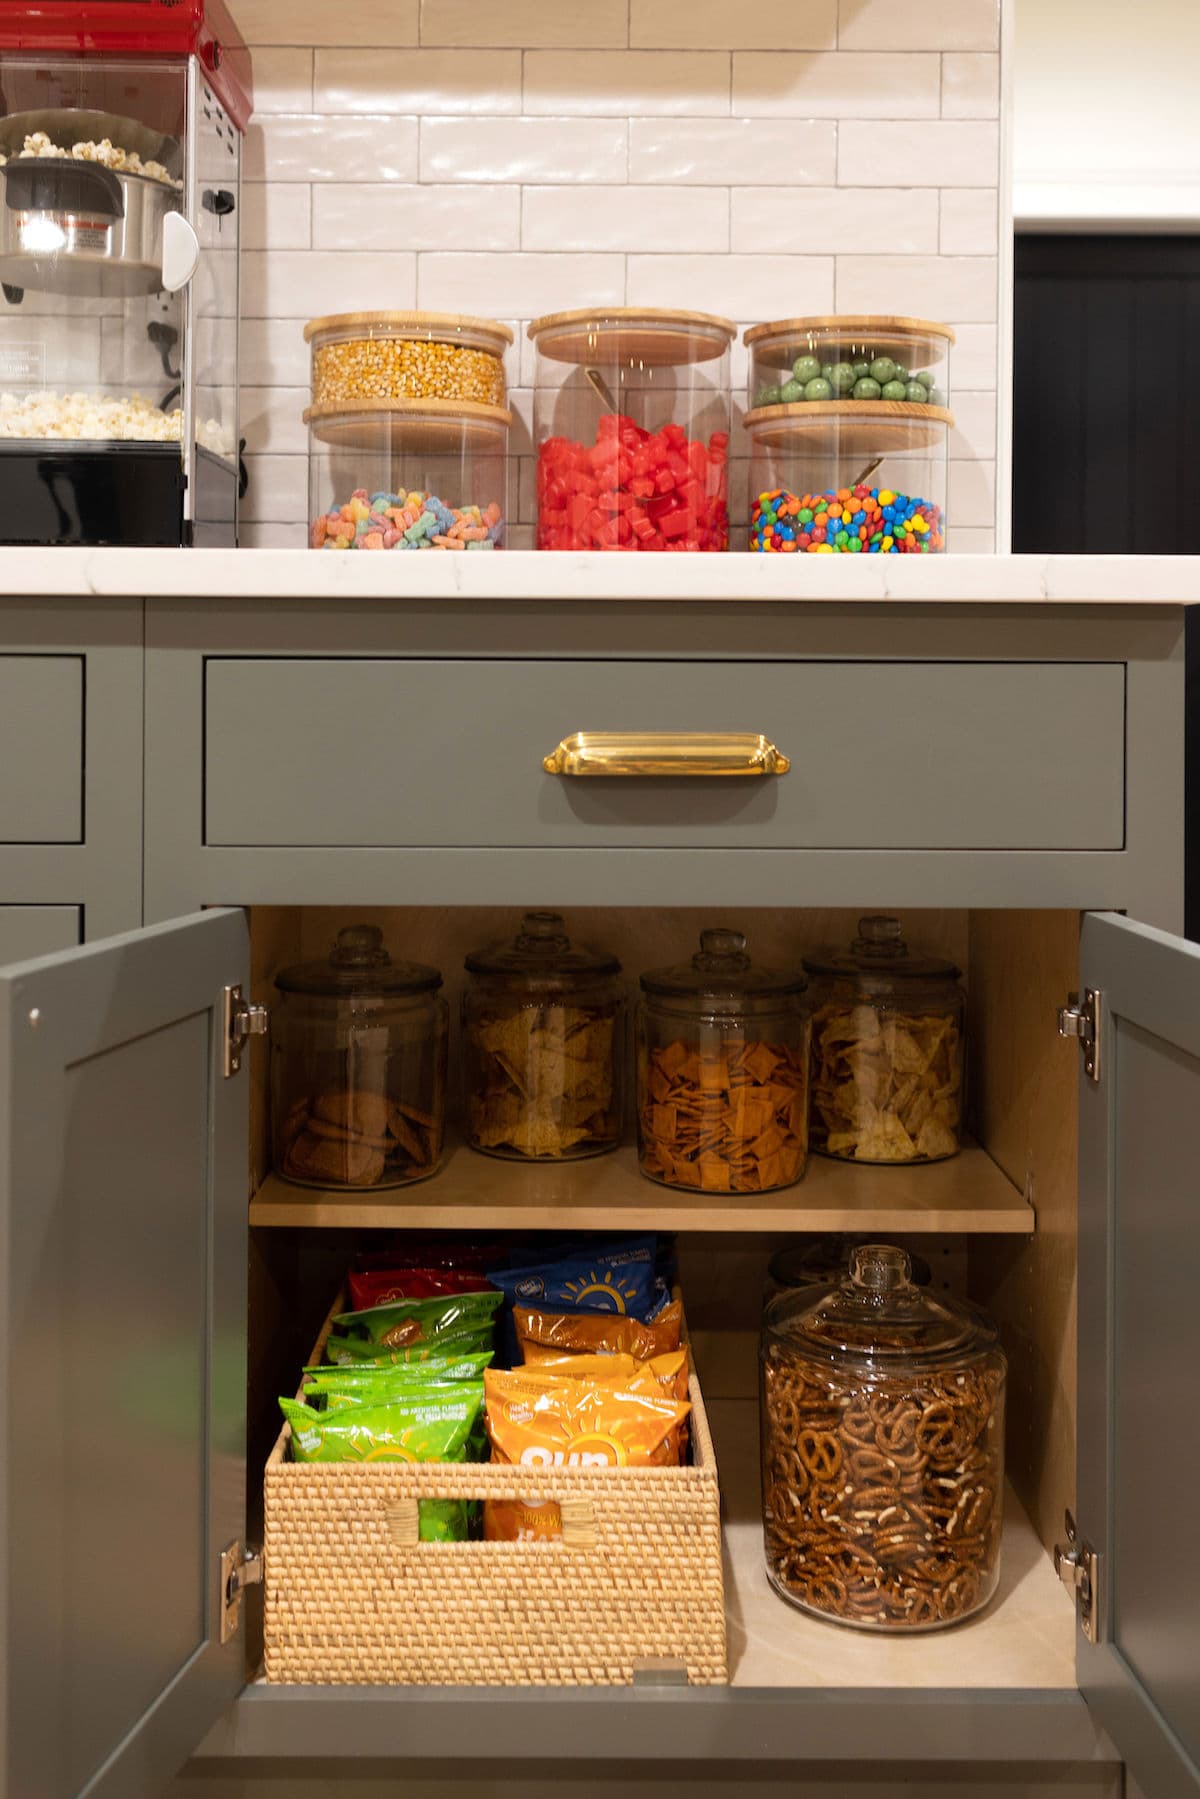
[121, 125]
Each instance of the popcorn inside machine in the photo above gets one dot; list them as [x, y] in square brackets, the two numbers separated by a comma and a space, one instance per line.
[121, 125]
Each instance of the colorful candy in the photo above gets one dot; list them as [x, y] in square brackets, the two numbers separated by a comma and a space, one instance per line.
[414, 521]
[871, 521]
[633, 490]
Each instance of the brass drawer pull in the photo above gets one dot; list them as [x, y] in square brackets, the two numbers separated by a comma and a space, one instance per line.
[641, 754]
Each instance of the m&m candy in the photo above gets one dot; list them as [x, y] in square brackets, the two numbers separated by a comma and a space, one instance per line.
[873, 521]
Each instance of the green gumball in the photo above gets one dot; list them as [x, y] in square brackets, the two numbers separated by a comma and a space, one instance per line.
[861, 370]
[806, 368]
[843, 377]
[901, 373]
[791, 391]
[883, 369]
[895, 390]
[925, 378]
[916, 393]
[867, 389]
[820, 389]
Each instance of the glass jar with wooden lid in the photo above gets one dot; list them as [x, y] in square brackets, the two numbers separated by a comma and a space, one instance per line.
[849, 423]
[632, 421]
[384, 356]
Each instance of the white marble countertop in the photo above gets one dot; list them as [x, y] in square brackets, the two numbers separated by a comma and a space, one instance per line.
[525, 575]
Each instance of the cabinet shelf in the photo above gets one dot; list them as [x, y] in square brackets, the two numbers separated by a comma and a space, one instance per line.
[967, 1193]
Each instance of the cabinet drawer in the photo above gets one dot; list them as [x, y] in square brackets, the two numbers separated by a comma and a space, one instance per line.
[41, 749]
[349, 753]
[28, 931]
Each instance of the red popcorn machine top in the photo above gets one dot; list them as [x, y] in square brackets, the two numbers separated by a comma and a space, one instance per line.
[121, 125]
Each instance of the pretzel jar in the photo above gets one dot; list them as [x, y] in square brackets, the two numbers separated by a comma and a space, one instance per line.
[887, 1072]
[358, 1068]
[543, 1046]
[722, 1075]
[882, 1430]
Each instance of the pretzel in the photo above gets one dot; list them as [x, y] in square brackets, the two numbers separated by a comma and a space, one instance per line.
[882, 1498]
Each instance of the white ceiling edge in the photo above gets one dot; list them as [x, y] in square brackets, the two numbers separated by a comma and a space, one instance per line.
[1099, 205]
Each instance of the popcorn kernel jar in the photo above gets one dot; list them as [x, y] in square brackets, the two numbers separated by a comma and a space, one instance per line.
[407, 356]
[848, 424]
[632, 416]
[887, 1050]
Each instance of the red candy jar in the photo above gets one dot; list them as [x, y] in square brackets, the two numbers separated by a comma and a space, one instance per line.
[632, 418]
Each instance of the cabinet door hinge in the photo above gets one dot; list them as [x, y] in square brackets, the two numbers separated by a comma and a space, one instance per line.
[1078, 1567]
[1081, 1018]
[242, 1019]
[240, 1568]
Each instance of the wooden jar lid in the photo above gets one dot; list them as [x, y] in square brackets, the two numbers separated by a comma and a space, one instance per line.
[621, 334]
[917, 340]
[859, 427]
[437, 427]
[440, 327]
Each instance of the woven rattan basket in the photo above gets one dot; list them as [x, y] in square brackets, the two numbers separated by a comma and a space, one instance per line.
[353, 1597]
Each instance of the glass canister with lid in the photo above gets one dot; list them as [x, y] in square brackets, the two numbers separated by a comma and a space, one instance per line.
[632, 416]
[543, 1046]
[722, 1072]
[358, 1067]
[882, 1433]
[848, 423]
[408, 432]
[887, 1049]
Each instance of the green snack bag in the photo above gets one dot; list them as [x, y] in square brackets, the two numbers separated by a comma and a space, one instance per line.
[437, 1367]
[403, 1322]
[357, 1350]
[342, 1387]
[430, 1427]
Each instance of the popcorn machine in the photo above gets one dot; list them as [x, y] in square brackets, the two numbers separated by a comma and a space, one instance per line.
[121, 125]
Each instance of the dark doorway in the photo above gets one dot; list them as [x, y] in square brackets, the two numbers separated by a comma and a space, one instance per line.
[1106, 425]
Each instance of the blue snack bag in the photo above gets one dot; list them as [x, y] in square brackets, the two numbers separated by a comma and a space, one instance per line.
[615, 1276]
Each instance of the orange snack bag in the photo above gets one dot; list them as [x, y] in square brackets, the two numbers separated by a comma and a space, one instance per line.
[596, 1333]
[670, 1372]
[540, 1418]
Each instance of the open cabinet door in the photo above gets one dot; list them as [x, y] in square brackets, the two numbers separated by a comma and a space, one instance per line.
[1138, 1482]
[123, 1343]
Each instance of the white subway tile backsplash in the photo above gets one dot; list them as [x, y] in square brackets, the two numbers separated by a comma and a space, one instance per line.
[283, 80]
[301, 284]
[733, 152]
[277, 492]
[274, 353]
[970, 85]
[522, 285]
[838, 85]
[271, 420]
[760, 287]
[974, 432]
[276, 215]
[415, 218]
[598, 23]
[715, 25]
[417, 81]
[971, 496]
[919, 24]
[597, 82]
[356, 148]
[306, 22]
[937, 152]
[969, 542]
[974, 355]
[503, 151]
[927, 287]
[625, 218]
[270, 537]
[827, 219]
[969, 221]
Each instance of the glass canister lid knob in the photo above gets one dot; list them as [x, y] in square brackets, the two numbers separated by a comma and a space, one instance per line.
[879, 937]
[722, 952]
[880, 1268]
[360, 946]
[543, 931]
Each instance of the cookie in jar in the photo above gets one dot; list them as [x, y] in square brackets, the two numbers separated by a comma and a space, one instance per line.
[358, 1068]
[882, 1434]
[887, 1049]
[543, 1046]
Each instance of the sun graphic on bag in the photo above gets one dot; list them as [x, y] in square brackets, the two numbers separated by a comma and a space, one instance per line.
[610, 1289]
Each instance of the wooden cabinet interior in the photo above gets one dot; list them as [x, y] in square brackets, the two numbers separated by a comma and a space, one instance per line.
[1018, 967]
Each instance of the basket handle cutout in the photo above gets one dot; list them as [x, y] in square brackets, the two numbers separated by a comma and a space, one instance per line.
[578, 1523]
